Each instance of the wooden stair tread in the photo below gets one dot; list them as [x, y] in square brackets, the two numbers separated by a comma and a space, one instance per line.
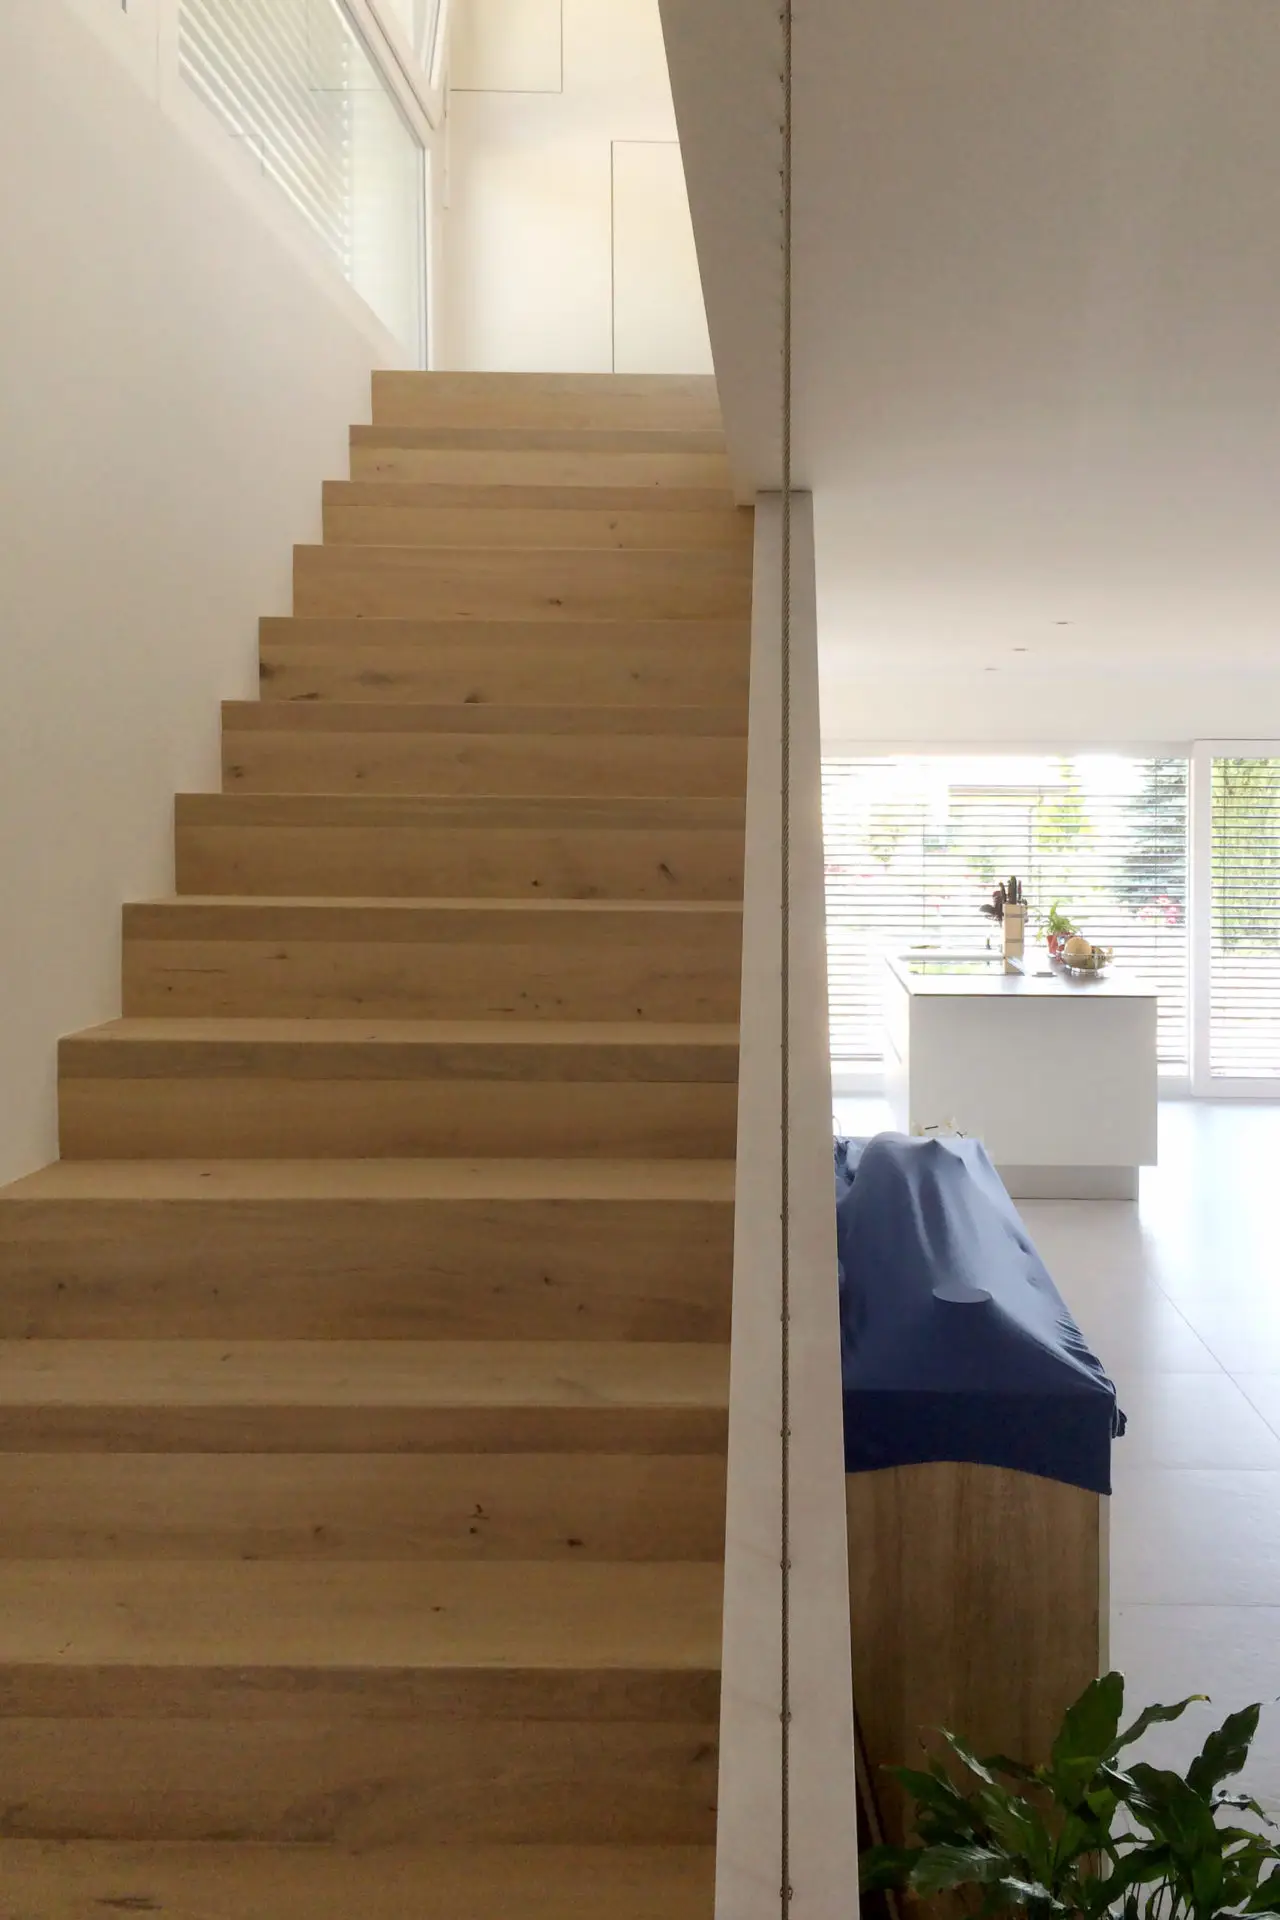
[518, 439]
[403, 908]
[364, 516]
[369, 1616]
[87, 1880]
[348, 629]
[498, 496]
[363, 1373]
[403, 1049]
[558, 399]
[354, 716]
[478, 813]
[524, 583]
[657, 1182]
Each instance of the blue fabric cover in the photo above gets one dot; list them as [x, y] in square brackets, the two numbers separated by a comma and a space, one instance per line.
[955, 1343]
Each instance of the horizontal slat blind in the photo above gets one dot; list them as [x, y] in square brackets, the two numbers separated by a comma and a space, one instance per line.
[290, 80]
[915, 845]
[275, 73]
[1244, 965]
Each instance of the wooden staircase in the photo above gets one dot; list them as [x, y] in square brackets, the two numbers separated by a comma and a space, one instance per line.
[363, 1361]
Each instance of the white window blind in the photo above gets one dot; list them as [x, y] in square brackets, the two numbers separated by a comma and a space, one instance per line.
[914, 846]
[291, 81]
[1244, 955]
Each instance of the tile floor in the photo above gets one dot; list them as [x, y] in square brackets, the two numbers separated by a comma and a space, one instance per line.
[1180, 1297]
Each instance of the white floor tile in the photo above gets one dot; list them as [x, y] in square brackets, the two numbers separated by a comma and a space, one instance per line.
[1194, 1420]
[1194, 1536]
[1232, 1654]
[1262, 1390]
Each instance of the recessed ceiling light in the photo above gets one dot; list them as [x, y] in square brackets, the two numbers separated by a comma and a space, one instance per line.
[1020, 649]
[1062, 623]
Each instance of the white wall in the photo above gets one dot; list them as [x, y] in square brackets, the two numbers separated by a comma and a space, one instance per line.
[918, 706]
[176, 376]
[567, 244]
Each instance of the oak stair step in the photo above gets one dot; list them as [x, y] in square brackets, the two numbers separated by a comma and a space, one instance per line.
[188, 1088]
[412, 845]
[593, 1640]
[380, 514]
[632, 663]
[457, 750]
[663, 504]
[503, 583]
[372, 1701]
[89, 1880]
[514, 438]
[387, 454]
[504, 1249]
[345, 1396]
[110, 1503]
[437, 959]
[608, 400]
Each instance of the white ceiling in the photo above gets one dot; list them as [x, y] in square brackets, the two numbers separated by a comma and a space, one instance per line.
[1037, 300]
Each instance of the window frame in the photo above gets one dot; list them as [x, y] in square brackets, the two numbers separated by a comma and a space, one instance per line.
[851, 1078]
[1205, 1084]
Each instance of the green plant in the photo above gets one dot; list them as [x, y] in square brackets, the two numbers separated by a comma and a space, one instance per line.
[1084, 1834]
[1057, 922]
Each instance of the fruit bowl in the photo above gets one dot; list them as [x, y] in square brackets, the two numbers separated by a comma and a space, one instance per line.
[1097, 960]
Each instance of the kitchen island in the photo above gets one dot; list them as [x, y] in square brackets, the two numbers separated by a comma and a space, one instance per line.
[1056, 1074]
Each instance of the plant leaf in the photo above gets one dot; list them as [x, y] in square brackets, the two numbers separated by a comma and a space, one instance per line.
[1163, 1802]
[1266, 1897]
[1225, 1752]
[1088, 1732]
[940, 1868]
[1153, 1717]
[1012, 1769]
[886, 1867]
[968, 1758]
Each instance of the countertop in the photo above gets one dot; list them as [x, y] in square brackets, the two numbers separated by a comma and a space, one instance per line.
[1039, 982]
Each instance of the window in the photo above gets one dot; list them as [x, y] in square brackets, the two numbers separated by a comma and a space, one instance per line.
[291, 81]
[914, 846]
[422, 23]
[1242, 964]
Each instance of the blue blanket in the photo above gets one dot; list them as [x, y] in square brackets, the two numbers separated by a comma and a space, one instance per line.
[955, 1343]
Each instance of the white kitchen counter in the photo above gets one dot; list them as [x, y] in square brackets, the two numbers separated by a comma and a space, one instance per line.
[1057, 1074]
[1038, 981]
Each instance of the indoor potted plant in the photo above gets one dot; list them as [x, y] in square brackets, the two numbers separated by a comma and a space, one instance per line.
[1091, 1833]
[1059, 928]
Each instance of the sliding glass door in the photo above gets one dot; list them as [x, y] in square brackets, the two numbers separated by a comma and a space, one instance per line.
[1236, 919]
[915, 845]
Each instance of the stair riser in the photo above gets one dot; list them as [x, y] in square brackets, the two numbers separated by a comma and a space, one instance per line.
[394, 1270]
[359, 1781]
[303, 1505]
[261, 762]
[452, 466]
[94, 1880]
[292, 1430]
[507, 437]
[655, 402]
[402, 583]
[370, 668]
[452, 980]
[493, 863]
[265, 1118]
[369, 524]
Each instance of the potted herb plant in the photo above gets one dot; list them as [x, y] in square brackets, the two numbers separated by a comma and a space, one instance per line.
[1091, 1833]
[1059, 928]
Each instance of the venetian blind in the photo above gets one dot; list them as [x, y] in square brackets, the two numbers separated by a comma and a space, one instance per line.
[915, 845]
[1244, 962]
